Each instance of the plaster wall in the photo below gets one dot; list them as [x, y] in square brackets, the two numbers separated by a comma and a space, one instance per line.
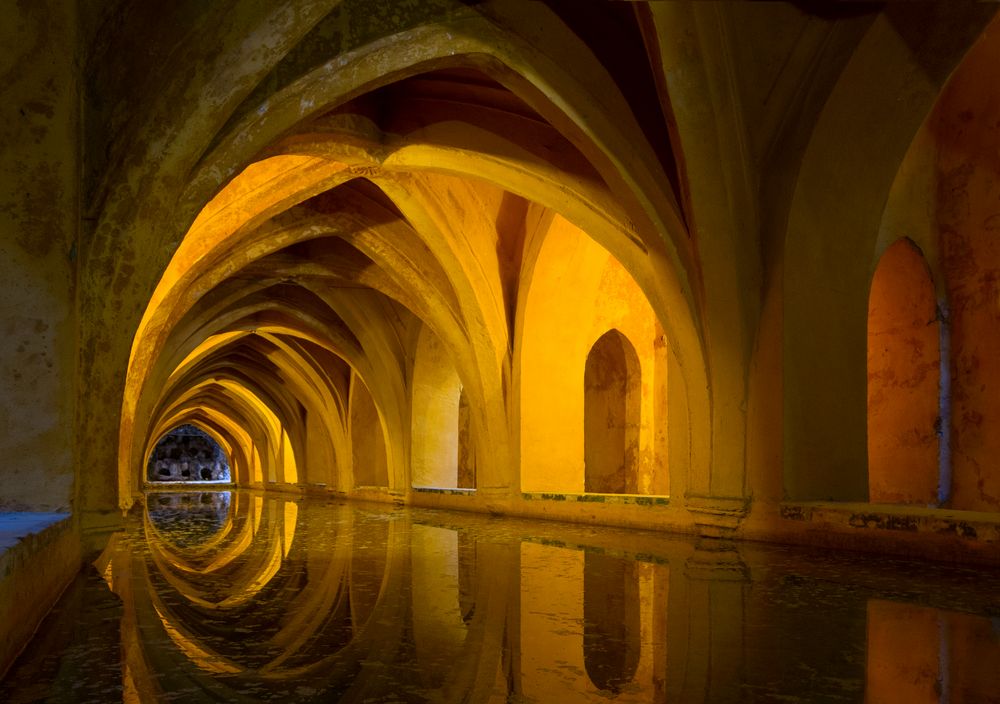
[39, 124]
[871, 116]
[966, 128]
[466, 448]
[436, 396]
[321, 460]
[34, 571]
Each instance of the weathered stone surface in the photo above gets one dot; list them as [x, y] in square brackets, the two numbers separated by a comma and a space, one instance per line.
[187, 454]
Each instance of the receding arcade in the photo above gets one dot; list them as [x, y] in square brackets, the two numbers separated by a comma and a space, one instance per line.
[431, 319]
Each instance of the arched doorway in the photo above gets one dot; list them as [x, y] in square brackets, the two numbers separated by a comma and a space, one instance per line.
[611, 383]
[904, 364]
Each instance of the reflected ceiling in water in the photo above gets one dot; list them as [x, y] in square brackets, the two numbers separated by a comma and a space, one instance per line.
[239, 597]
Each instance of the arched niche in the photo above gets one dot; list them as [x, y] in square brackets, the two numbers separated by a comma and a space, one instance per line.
[368, 454]
[904, 363]
[611, 416]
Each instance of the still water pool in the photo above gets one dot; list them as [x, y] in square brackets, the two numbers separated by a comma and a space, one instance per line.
[241, 597]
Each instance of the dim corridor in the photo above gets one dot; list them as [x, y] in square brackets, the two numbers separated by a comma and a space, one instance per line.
[239, 597]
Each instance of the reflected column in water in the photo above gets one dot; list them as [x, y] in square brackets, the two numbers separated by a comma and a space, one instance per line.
[706, 613]
[460, 619]
[439, 627]
[318, 602]
[248, 601]
[369, 562]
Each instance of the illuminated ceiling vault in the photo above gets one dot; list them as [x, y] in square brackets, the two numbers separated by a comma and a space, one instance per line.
[403, 232]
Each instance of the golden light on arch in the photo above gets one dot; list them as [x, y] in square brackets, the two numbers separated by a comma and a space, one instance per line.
[247, 221]
[263, 188]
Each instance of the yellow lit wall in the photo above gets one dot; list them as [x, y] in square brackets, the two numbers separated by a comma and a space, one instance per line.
[577, 293]
[367, 438]
[436, 394]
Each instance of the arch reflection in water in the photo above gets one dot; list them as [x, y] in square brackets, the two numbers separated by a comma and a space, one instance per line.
[327, 602]
[190, 518]
[243, 597]
[240, 596]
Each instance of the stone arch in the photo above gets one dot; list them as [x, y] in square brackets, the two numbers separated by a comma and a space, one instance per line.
[523, 68]
[904, 364]
[612, 386]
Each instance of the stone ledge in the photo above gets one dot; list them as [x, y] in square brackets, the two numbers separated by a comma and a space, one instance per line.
[16, 526]
[624, 499]
[176, 486]
[451, 491]
[921, 532]
[973, 525]
[41, 554]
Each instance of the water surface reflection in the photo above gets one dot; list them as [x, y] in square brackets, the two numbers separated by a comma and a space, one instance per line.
[242, 597]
